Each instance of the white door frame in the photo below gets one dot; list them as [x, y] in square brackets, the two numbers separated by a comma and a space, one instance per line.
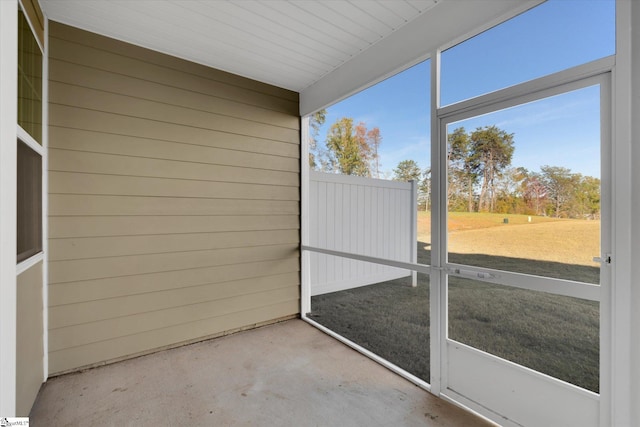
[577, 401]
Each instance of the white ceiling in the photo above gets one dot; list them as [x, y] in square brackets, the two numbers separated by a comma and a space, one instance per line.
[287, 43]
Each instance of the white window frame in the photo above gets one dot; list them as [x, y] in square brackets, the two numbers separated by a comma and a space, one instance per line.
[42, 149]
[39, 148]
[32, 144]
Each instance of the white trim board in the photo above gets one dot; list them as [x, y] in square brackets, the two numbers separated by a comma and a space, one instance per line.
[8, 153]
[45, 202]
[634, 38]
[619, 406]
[28, 263]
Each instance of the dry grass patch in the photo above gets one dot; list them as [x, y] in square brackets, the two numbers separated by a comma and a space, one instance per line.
[461, 221]
[570, 242]
[567, 241]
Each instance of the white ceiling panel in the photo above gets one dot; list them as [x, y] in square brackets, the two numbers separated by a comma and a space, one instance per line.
[332, 22]
[298, 35]
[377, 26]
[250, 28]
[287, 43]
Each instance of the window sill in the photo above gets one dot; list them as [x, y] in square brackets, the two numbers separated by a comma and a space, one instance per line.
[23, 266]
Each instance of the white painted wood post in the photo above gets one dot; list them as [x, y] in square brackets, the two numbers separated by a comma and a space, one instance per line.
[8, 156]
[305, 267]
[413, 223]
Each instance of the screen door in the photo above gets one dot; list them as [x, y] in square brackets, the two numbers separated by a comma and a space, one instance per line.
[526, 253]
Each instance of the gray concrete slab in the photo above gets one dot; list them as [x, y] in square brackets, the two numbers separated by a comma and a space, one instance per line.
[288, 374]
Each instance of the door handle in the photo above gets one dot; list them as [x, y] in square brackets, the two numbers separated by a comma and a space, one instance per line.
[603, 260]
[470, 274]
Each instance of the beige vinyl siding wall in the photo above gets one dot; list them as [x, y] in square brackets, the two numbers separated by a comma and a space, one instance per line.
[29, 335]
[173, 201]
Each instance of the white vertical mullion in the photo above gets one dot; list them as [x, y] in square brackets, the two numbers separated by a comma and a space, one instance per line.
[436, 276]
[634, 321]
[606, 232]
[8, 167]
[622, 194]
[45, 202]
[305, 277]
[413, 227]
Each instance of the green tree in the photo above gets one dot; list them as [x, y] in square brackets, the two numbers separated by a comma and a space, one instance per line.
[560, 185]
[462, 171]
[491, 151]
[374, 140]
[316, 153]
[424, 190]
[534, 193]
[587, 198]
[366, 152]
[348, 152]
[407, 170]
[510, 191]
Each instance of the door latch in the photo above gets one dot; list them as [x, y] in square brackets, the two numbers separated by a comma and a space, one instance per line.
[603, 260]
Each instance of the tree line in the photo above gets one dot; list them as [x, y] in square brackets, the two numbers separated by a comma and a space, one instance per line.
[481, 177]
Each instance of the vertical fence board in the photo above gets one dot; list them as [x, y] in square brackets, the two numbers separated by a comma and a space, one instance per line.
[363, 216]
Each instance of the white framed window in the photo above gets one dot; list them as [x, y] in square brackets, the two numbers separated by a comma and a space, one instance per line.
[30, 151]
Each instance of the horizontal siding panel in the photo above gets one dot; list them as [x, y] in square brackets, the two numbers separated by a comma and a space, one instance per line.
[174, 201]
[64, 32]
[91, 99]
[96, 247]
[81, 183]
[65, 72]
[114, 287]
[187, 144]
[98, 226]
[77, 161]
[97, 268]
[87, 333]
[115, 63]
[129, 345]
[94, 311]
[149, 147]
[101, 205]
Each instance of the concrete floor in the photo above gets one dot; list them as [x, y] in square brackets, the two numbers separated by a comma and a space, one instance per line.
[288, 374]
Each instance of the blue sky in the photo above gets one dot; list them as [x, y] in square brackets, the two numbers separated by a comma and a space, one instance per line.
[559, 131]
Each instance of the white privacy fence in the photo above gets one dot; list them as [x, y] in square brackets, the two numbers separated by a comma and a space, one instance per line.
[362, 216]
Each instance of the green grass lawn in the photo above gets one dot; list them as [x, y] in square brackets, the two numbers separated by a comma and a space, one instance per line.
[556, 335]
[391, 319]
